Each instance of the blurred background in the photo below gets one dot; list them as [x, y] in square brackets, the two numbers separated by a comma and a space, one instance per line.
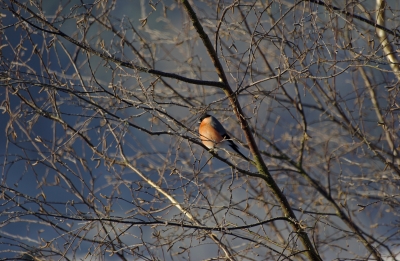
[100, 154]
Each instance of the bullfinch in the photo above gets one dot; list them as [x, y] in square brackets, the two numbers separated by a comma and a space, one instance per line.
[212, 134]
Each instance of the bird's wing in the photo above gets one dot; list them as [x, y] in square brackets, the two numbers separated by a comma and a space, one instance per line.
[218, 126]
[221, 130]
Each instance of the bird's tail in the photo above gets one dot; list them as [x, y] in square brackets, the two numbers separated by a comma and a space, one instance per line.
[236, 149]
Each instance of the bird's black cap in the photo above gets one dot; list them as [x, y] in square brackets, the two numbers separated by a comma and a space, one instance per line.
[205, 115]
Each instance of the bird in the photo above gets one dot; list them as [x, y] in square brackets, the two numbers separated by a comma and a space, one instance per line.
[212, 134]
